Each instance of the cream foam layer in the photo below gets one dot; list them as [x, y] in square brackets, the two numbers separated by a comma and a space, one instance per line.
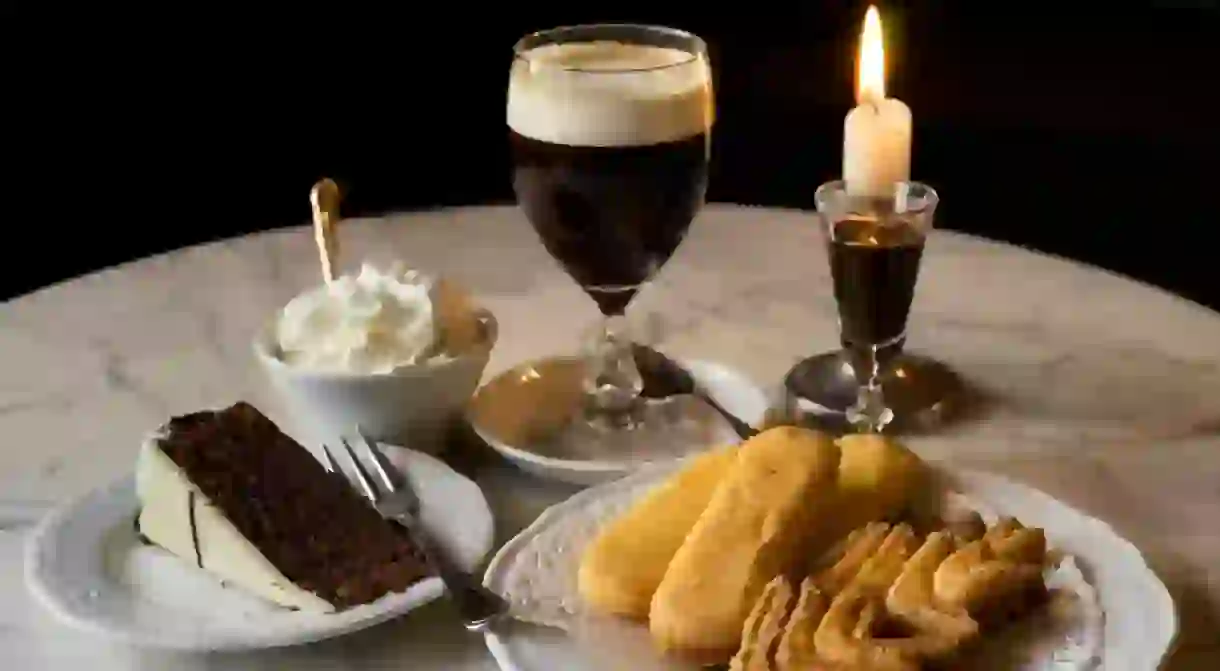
[609, 94]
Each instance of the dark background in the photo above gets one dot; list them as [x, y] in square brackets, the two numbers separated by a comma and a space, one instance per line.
[1083, 129]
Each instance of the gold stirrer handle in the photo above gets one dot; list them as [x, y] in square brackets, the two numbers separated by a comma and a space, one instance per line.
[324, 197]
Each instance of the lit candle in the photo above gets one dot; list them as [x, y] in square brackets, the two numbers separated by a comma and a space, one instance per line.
[877, 133]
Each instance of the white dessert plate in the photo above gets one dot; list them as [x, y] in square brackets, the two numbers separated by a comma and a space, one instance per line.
[85, 563]
[518, 411]
[1129, 621]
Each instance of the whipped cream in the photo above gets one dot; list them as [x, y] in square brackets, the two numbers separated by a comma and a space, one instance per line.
[373, 322]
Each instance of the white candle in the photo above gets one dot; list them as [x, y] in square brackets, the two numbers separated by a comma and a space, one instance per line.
[877, 132]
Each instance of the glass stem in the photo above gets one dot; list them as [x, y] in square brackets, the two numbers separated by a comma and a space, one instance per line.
[870, 414]
[612, 383]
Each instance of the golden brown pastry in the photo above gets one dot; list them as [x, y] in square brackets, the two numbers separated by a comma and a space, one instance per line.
[882, 569]
[795, 650]
[997, 576]
[764, 627]
[779, 494]
[622, 567]
[847, 635]
[885, 600]
[1009, 540]
[912, 599]
[873, 554]
[844, 640]
[835, 570]
[878, 477]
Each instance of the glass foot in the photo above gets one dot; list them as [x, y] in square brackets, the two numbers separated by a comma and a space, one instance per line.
[819, 391]
[539, 407]
[657, 430]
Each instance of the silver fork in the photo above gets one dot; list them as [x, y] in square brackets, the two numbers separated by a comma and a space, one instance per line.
[477, 606]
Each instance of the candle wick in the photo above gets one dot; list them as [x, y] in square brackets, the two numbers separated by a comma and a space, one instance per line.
[872, 101]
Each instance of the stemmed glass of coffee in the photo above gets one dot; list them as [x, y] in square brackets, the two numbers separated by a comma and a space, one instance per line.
[610, 131]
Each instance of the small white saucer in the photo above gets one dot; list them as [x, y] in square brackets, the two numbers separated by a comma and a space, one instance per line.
[86, 565]
[519, 412]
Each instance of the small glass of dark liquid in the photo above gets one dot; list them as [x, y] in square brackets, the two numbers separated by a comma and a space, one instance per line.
[875, 244]
[610, 131]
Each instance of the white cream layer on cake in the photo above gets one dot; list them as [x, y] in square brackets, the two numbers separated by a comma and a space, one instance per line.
[175, 515]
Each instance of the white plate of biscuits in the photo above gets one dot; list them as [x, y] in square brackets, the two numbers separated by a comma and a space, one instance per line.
[794, 552]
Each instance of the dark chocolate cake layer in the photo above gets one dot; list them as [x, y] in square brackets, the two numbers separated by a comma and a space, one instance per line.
[319, 532]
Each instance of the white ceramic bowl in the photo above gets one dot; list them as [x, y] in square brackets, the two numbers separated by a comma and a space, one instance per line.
[413, 406]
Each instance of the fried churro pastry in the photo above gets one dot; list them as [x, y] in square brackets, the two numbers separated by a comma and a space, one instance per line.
[843, 638]
[883, 568]
[764, 626]
[795, 650]
[835, 570]
[886, 600]
[911, 599]
[873, 554]
[995, 577]
[846, 635]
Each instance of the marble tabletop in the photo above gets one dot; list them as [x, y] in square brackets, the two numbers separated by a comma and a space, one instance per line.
[1101, 391]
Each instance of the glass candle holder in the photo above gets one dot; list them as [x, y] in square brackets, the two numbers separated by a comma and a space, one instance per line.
[875, 247]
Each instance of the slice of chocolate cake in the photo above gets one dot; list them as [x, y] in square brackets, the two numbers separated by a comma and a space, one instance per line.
[228, 491]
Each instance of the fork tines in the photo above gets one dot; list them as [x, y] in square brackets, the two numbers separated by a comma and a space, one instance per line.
[386, 472]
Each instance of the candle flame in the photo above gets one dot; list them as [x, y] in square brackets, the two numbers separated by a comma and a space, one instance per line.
[870, 73]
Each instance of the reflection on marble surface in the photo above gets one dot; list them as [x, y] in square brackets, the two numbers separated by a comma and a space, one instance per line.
[1101, 391]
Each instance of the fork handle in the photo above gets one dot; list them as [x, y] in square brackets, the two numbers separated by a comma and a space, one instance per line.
[477, 606]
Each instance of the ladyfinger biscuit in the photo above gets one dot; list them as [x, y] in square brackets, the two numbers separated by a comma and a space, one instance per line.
[780, 493]
[878, 478]
[621, 568]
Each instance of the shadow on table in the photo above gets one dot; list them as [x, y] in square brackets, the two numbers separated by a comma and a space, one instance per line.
[970, 404]
[467, 453]
[429, 637]
[1198, 645]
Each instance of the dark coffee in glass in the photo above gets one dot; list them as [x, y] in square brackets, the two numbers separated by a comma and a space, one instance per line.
[874, 268]
[611, 216]
[610, 145]
[610, 129]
